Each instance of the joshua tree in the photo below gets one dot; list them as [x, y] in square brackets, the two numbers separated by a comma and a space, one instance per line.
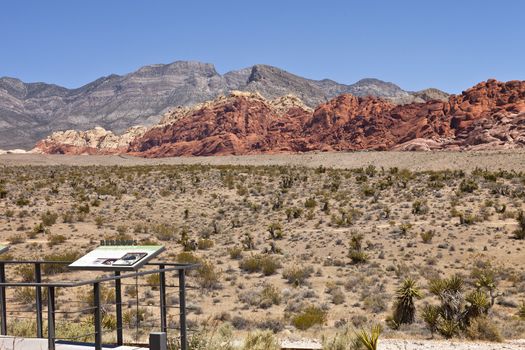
[520, 232]
[404, 308]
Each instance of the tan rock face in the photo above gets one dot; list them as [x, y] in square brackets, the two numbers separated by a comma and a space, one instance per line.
[94, 141]
[489, 115]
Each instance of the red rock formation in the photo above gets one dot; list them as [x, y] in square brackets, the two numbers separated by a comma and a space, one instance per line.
[489, 115]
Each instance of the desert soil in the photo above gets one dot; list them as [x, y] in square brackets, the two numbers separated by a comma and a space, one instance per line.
[319, 201]
[417, 161]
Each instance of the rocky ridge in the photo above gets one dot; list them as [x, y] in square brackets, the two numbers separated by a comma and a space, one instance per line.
[490, 115]
[31, 111]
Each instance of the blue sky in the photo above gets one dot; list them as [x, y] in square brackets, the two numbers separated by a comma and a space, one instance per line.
[448, 44]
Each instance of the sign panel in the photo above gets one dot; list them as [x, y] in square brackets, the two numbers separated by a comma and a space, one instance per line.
[117, 258]
[3, 248]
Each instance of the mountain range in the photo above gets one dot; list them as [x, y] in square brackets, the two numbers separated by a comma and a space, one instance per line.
[488, 116]
[31, 111]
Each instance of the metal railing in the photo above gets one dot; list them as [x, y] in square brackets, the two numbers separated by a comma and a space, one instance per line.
[96, 309]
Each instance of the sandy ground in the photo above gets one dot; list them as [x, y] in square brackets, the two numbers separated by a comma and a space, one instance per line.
[390, 344]
[494, 160]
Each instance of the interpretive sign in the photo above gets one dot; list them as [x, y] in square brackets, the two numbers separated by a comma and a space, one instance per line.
[117, 258]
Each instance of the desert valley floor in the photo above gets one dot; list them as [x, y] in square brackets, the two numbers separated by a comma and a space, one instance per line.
[284, 239]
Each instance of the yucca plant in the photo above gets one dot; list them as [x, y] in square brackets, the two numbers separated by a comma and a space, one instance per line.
[431, 316]
[370, 339]
[479, 304]
[520, 232]
[404, 308]
[449, 291]
[448, 328]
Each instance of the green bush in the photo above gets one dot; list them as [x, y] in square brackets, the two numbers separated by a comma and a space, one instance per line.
[309, 317]
[297, 275]
[54, 240]
[208, 277]
[49, 218]
[266, 264]
[235, 253]
[205, 244]
[52, 269]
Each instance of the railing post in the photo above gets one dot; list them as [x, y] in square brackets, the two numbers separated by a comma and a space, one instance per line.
[182, 310]
[97, 318]
[51, 318]
[38, 296]
[118, 309]
[162, 290]
[3, 303]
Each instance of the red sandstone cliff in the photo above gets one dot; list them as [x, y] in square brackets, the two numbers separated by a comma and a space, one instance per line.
[489, 115]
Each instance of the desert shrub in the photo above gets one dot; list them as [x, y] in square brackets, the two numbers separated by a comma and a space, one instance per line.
[275, 230]
[336, 293]
[430, 315]
[49, 218]
[263, 297]
[293, 213]
[261, 340]
[153, 281]
[483, 328]
[208, 277]
[308, 317]
[205, 244]
[26, 272]
[375, 302]
[235, 252]
[54, 240]
[419, 207]
[521, 310]
[164, 232]
[67, 256]
[275, 325]
[187, 258]
[468, 185]
[427, 236]
[356, 253]
[310, 203]
[27, 295]
[265, 264]
[297, 275]
[358, 257]
[15, 239]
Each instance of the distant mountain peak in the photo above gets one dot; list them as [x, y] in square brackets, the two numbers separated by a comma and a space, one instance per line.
[31, 111]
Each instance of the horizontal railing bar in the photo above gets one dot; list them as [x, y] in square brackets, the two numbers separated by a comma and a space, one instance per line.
[84, 283]
[153, 263]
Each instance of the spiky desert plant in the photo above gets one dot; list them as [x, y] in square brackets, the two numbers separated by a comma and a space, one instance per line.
[370, 339]
[479, 304]
[431, 315]
[404, 307]
[448, 328]
[449, 291]
[520, 232]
